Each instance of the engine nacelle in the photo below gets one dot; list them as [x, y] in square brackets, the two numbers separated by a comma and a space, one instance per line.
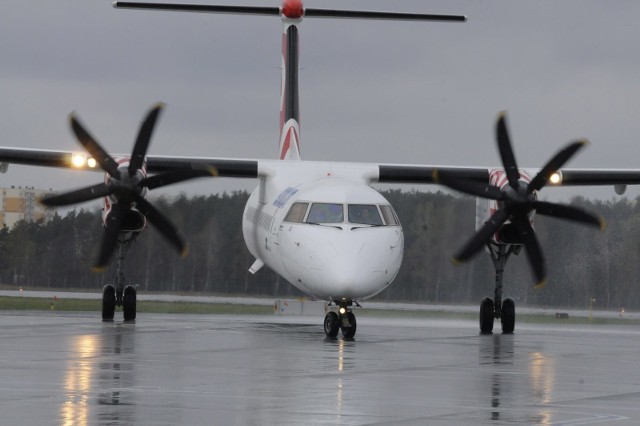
[134, 221]
[485, 208]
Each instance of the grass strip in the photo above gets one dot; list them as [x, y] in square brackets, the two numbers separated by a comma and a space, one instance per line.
[523, 318]
[8, 303]
[61, 304]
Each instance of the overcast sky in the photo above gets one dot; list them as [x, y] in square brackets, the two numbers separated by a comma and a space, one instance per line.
[393, 92]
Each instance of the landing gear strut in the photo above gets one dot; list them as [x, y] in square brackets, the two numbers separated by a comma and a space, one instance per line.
[120, 295]
[344, 320]
[496, 307]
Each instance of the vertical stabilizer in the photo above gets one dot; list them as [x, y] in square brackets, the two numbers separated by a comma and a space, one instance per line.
[292, 12]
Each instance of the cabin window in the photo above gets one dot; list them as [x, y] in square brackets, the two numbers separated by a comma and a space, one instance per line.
[325, 213]
[296, 213]
[366, 214]
[388, 216]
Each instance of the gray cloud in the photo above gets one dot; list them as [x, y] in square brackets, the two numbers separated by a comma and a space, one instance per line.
[370, 91]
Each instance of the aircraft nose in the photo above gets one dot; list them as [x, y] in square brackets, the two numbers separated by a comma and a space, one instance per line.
[365, 263]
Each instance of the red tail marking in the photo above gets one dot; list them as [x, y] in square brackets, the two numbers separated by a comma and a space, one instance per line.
[286, 146]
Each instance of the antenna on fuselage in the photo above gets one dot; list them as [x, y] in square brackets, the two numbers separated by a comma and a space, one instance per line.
[291, 12]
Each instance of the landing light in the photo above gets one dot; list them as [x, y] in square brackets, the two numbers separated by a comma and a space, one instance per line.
[554, 179]
[343, 311]
[91, 162]
[78, 160]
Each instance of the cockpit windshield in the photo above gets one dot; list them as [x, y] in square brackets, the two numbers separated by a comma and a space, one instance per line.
[389, 215]
[359, 214]
[366, 214]
[297, 212]
[325, 213]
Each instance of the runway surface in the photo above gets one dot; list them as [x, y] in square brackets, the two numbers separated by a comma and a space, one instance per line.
[70, 368]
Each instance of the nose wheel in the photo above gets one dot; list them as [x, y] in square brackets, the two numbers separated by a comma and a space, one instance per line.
[344, 320]
[331, 324]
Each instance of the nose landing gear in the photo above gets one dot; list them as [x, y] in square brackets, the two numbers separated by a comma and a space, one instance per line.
[344, 320]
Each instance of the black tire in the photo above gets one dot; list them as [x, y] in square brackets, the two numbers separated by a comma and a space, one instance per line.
[349, 332]
[331, 324]
[486, 316]
[508, 316]
[129, 303]
[108, 302]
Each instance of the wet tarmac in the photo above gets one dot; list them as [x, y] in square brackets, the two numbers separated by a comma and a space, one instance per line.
[70, 368]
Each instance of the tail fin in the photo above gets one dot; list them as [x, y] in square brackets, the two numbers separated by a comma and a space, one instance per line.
[289, 100]
[291, 12]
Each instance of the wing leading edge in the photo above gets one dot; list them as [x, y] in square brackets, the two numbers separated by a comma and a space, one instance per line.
[248, 168]
[415, 174]
[237, 168]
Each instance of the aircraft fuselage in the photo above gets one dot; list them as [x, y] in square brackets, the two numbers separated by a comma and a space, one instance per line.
[326, 231]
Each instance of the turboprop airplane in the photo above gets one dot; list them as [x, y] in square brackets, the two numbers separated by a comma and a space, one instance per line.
[320, 225]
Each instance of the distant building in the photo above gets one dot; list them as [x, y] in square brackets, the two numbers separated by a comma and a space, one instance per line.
[18, 203]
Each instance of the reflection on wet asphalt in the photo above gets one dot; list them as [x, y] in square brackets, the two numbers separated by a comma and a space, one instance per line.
[69, 368]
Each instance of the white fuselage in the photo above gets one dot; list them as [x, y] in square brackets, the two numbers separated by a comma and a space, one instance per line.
[335, 258]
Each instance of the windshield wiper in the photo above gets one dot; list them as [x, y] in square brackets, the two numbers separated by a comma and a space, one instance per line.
[366, 226]
[325, 225]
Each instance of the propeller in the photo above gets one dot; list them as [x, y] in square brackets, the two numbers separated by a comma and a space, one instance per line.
[126, 186]
[517, 200]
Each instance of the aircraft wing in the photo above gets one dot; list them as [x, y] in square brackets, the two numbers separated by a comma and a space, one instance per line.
[577, 177]
[155, 164]
[224, 167]
[249, 168]
[37, 157]
[416, 174]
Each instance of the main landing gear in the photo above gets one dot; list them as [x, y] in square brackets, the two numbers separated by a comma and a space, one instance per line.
[344, 320]
[120, 295]
[496, 308]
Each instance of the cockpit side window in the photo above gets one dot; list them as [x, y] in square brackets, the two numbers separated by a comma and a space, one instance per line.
[366, 214]
[389, 217]
[325, 213]
[296, 213]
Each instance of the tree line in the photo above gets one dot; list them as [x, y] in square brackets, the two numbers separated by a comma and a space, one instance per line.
[582, 263]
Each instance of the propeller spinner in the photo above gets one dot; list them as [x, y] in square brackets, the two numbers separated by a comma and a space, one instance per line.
[125, 186]
[516, 200]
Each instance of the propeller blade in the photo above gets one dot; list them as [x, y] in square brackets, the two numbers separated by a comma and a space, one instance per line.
[78, 196]
[110, 238]
[532, 247]
[506, 152]
[468, 186]
[554, 164]
[483, 235]
[162, 224]
[143, 139]
[563, 211]
[175, 176]
[101, 156]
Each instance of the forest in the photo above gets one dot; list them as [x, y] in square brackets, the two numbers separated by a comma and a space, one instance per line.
[583, 263]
